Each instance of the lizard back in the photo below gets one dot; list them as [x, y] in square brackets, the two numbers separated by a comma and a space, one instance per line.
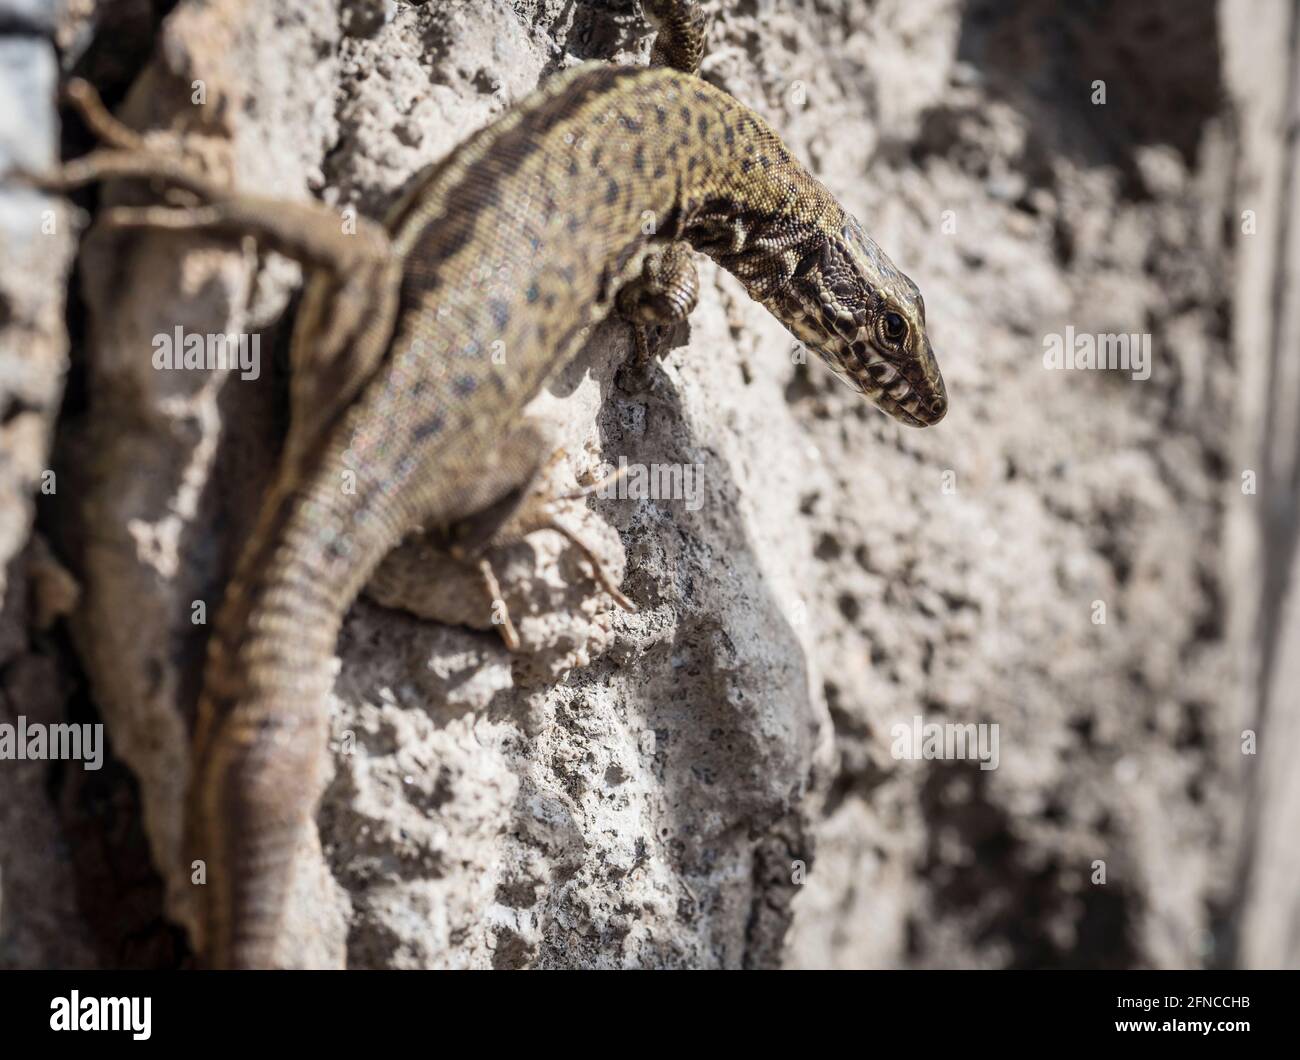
[505, 254]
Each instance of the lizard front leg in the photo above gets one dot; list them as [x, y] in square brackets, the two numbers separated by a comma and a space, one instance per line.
[663, 295]
[668, 287]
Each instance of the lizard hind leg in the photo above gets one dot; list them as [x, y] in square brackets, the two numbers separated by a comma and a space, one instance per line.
[293, 229]
[353, 275]
[525, 499]
[493, 491]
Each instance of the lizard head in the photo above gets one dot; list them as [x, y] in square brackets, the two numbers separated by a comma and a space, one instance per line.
[866, 320]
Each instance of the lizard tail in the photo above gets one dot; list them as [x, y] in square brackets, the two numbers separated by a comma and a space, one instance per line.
[263, 719]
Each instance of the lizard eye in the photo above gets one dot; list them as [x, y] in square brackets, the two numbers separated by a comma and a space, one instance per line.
[893, 327]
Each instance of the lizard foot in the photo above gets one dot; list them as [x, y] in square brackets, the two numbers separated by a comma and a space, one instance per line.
[125, 154]
[539, 512]
[492, 586]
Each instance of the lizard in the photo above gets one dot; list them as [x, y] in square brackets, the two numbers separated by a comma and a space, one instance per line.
[409, 382]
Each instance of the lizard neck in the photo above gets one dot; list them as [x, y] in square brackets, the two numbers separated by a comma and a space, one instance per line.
[600, 161]
[514, 246]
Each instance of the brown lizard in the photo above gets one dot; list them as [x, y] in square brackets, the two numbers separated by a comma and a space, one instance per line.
[409, 382]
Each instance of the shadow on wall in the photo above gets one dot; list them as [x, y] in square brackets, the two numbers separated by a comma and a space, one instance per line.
[1159, 61]
[1025, 905]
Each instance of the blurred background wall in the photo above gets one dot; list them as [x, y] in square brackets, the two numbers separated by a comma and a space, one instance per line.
[1262, 52]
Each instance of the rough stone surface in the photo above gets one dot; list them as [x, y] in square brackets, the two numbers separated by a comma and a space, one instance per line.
[709, 781]
[36, 246]
[39, 924]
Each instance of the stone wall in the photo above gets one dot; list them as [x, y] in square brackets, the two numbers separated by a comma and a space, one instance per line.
[709, 781]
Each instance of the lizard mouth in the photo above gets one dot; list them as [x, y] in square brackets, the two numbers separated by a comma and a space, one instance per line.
[919, 402]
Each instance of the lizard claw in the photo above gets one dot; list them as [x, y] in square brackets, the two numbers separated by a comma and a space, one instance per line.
[602, 575]
[507, 628]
